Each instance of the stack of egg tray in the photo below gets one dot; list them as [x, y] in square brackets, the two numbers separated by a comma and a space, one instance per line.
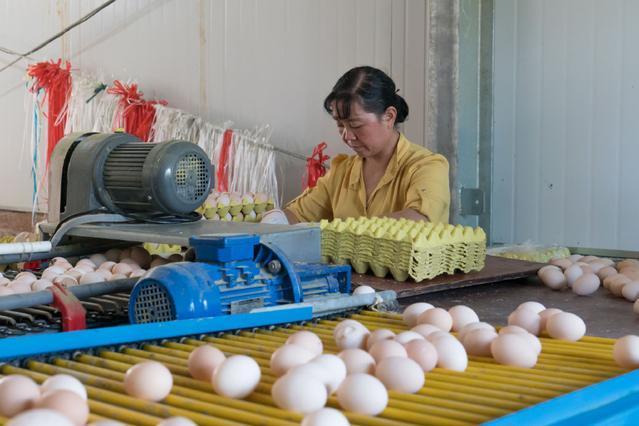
[485, 391]
[421, 250]
[531, 253]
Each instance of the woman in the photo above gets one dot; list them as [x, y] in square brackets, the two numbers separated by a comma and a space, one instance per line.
[388, 176]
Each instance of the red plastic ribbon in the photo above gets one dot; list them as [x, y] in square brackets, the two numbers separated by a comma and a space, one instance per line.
[55, 80]
[222, 173]
[315, 167]
[136, 114]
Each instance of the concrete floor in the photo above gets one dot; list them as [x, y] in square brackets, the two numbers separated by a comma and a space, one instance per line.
[605, 315]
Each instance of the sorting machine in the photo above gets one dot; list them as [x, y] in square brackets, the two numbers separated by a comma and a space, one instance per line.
[245, 288]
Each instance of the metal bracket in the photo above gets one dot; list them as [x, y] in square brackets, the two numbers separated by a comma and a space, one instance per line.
[472, 201]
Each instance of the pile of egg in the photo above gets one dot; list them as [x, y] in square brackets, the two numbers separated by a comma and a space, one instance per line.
[584, 274]
[115, 264]
[236, 207]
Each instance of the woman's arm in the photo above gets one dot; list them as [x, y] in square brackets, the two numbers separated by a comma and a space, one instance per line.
[411, 214]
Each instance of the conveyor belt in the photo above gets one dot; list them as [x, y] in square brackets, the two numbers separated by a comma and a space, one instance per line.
[483, 392]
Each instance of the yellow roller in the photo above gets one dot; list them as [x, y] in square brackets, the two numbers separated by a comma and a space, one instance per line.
[486, 390]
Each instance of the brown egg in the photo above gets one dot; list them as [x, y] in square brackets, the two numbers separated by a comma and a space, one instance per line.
[203, 361]
[141, 256]
[17, 393]
[562, 263]
[411, 312]
[606, 272]
[113, 254]
[377, 335]
[400, 374]
[477, 342]
[68, 403]
[438, 317]
[357, 361]
[423, 353]
[159, 261]
[287, 357]
[118, 277]
[122, 268]
[175, 257]
[124, 254]
[527, 319]
[108, 265]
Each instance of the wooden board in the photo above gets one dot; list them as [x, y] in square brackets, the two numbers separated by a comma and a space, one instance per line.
[495, 270]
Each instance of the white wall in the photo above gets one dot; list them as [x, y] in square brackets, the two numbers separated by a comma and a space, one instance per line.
[249, 61]
[566, 130]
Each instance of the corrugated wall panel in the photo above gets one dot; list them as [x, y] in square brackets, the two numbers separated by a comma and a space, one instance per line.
[566, 77]
[248, 61]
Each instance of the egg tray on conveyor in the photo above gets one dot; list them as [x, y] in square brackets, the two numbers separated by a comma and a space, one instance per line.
[103, 311]
[484, 392]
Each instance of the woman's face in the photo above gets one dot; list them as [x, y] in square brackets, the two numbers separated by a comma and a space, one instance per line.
[364, 132]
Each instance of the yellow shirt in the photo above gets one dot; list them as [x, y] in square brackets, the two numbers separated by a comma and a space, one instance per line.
[415, 178]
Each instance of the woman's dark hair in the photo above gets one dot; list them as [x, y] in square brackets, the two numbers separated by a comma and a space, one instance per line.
[372, 88]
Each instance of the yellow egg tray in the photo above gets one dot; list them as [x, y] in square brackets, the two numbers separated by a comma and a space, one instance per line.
[485, 391]
[403, 248]
[541, 254]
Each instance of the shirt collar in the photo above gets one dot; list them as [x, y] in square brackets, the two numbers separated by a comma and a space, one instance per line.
[393, 165]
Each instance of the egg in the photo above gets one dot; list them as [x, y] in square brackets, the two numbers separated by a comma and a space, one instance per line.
[400, 374]
[596, 266]
[413, 311]
[75, 273]
[29, 275]
[432, 337]
[462, 315]
[17, 393]
[586, 284]
[83, 269]
[438, 317]
[115, 277]
[40, 285]
[477, 342]
[451, 354]
[562, 263]
[572, 274]
[364, 289]
[357, 361]
[149, 380]
[377, 335]
[6, 291]
[534, 342]
[566, 326]
[513, 349]
[91, 277]
[4, 281]
[66, 382]
[554, 279]
[533, 306]
[106, 423]
[299, 392]
[545, 314]
[626, 352]
[473, 326]
[66, 402]
[236, 377]
[423, 353]
[325, 417]
[288, 356]
[406, 336]
[203, 361]
[588, 259]
[543, 269]
[141, 256]
[65, 280]
[387, 348]
[97, 259]
[86, 263]
[335, 369]
[527, 319]
[425, 329]
[54, 270]
[585, 267]
[308, 340]
[627, 262]
[616, 284]
[107, 265]
[40, 416]
[20, 286]
[351, 336]
[113, 254]
[175, 257]
[177, 421]
[124, 254]
[606, 272]
[631, 291]
[348, 322]
[575, 257]
[362, 393]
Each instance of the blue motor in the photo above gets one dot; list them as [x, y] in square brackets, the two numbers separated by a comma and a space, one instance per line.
[231, 274]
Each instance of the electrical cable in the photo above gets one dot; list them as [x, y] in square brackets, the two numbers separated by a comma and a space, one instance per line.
[59, 34]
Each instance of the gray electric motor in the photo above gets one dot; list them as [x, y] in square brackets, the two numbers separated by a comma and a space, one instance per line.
[119, 173]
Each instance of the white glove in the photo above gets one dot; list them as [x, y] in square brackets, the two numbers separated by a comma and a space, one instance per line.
[275, 217]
